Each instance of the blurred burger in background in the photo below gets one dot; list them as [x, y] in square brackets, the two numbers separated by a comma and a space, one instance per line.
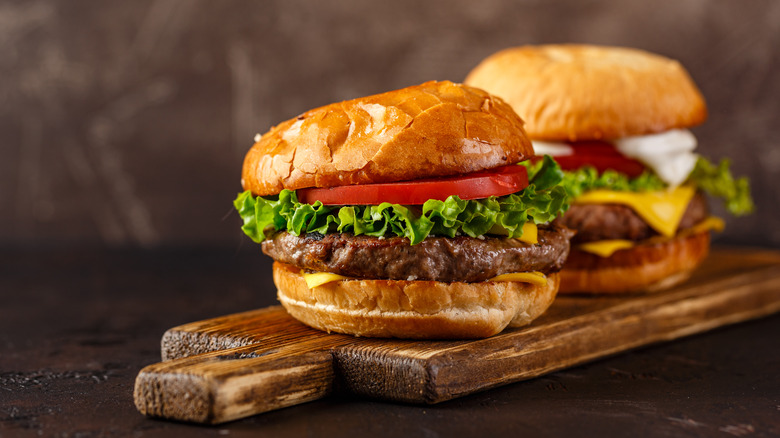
[616, 120]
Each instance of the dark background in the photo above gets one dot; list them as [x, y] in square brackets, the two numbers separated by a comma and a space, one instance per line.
[124, 123]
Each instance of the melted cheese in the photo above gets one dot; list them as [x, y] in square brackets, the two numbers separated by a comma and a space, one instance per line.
[536, 278]
[711, 223]
[661, 210]
[530, 233]
[319, 278]
[605, 248]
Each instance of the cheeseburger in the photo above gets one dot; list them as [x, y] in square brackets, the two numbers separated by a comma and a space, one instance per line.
[406, 214]
[617, 122]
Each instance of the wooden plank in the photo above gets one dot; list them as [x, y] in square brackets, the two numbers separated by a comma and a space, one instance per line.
[227, 385]
[237, 365]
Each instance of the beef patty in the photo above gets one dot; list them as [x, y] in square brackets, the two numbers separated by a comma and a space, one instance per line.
[463, 259]
[612, 221]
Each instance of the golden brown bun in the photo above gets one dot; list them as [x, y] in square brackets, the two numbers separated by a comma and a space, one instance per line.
[412, 309]
[433, 129]
[581, 92]
[643, 268]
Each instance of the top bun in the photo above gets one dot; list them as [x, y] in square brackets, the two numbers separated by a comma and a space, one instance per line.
[433, 129]
[581, 92]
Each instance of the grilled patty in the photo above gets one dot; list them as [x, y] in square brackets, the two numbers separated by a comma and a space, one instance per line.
[612, 221]
[463, 259]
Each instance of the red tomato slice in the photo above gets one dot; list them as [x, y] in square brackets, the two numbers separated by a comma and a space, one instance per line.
[595, 147]
[627, 166]
[494, 182]
[600, 155]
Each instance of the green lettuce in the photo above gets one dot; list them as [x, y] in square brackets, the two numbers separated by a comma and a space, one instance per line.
[542, 201]
[717, 181]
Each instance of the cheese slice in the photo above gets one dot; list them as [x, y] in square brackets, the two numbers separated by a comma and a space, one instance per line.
[711, 223]
[530, 233]
[605, 248]
[319, 278]
[662, 210]
[534, 277]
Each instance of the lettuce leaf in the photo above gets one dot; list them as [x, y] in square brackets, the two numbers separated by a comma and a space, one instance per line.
[577, 182]
[542, 201]
[716, 181]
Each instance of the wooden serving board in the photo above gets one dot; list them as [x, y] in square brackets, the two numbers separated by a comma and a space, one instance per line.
[239, 365]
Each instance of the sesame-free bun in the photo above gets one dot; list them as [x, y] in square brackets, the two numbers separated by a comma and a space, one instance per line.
[428, 130]
[412, 309]
[649, 267]
[583, 92]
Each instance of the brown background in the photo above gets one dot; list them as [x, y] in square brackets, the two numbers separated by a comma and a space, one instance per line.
[124, 123]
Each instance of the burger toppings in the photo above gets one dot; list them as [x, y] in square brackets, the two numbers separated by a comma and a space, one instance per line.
[662, 210]
[315, 279]
[600, 155]
[669, 154]
[463, 258]
[609, 221]
[605, 248]
[619, 202]
[540, 202]
[659, 206]
[592, 165]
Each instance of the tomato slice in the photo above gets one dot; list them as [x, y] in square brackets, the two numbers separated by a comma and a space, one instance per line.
[595, 147]
[600, 155]
[627, 166]
[494, 182]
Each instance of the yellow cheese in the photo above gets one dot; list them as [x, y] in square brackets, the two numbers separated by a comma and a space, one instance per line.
[711, 223]
[536, 278]
[530, 233]
[605, 248]
[662, 210]
[319, 278]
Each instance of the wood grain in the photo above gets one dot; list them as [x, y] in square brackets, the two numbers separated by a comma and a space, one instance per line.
[238, 365]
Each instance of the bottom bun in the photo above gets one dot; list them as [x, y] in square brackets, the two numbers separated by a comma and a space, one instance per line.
[648, 267]
[412, 309]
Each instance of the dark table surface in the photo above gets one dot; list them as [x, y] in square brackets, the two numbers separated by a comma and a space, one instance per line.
[77, 326]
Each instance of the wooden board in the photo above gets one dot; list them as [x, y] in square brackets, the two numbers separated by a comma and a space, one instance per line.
[238, 365]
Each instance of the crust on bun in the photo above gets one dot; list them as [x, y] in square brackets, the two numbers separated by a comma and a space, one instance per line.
[648, 267]
[551, 88]
[429, 130]
[412, 309]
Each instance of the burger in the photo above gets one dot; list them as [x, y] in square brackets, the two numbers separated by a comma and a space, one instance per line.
[616, 120]
[405, 214]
